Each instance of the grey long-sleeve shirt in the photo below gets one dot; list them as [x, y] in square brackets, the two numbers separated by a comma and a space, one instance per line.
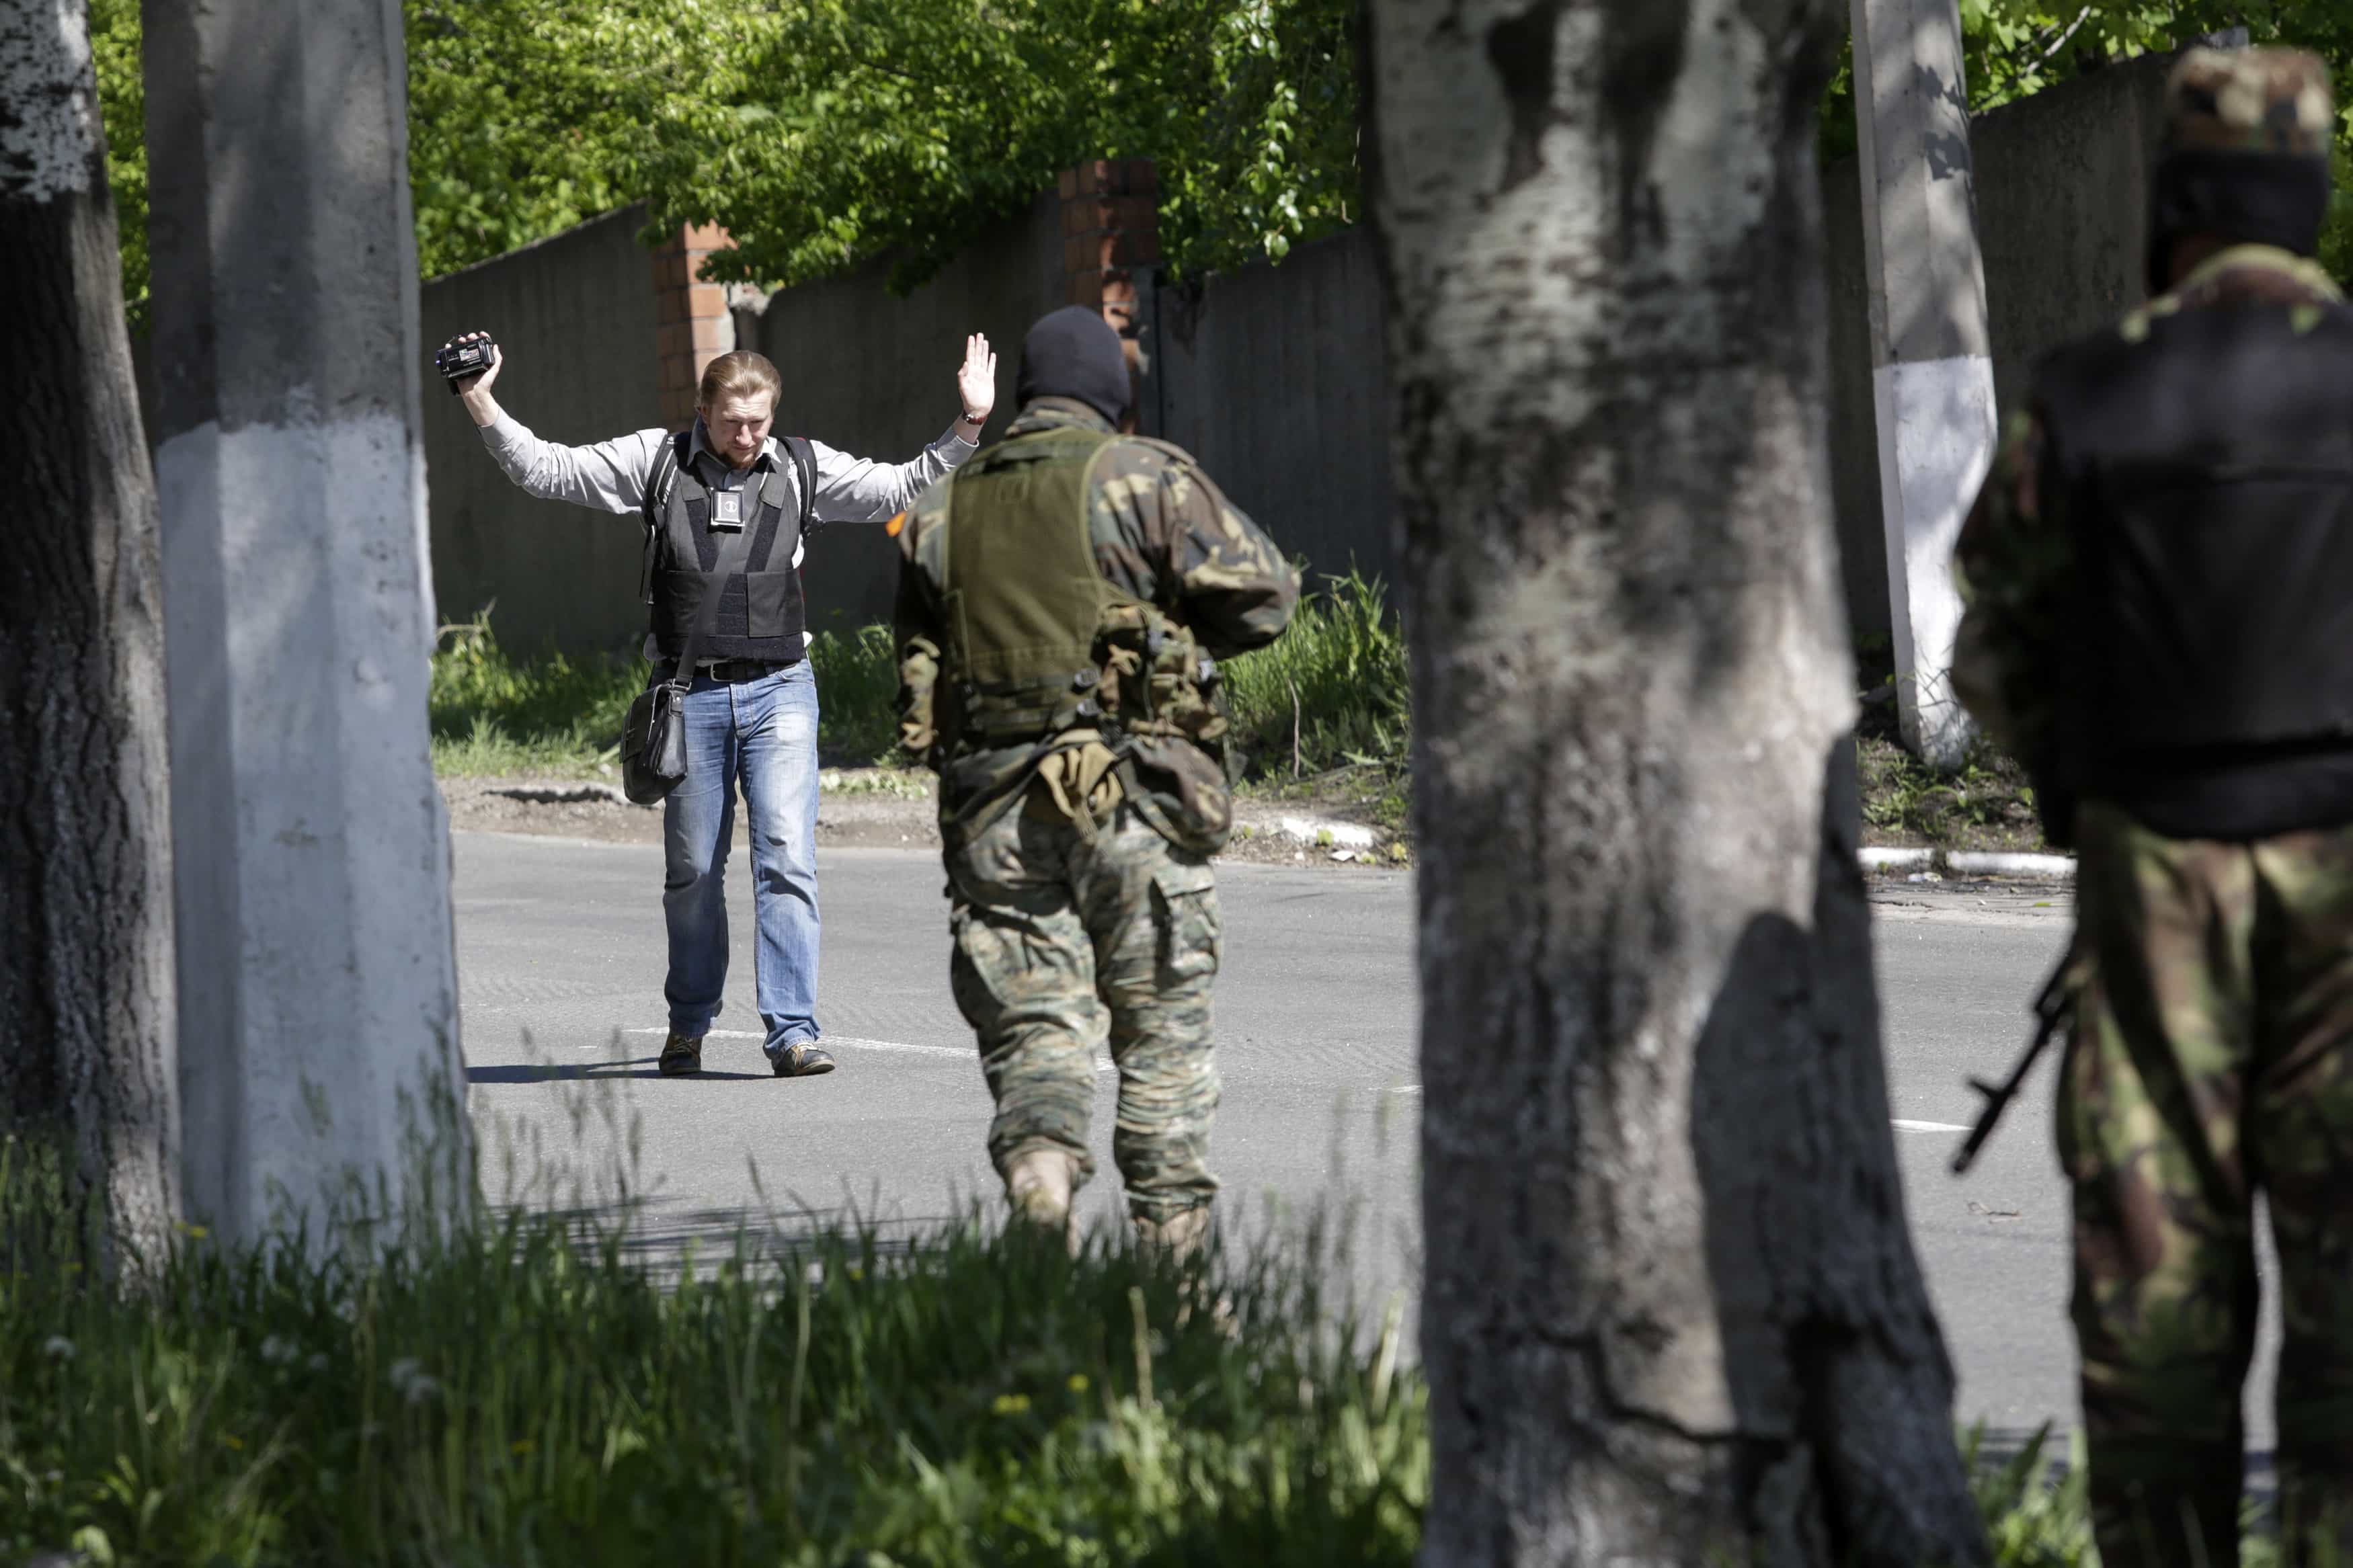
[611, 476]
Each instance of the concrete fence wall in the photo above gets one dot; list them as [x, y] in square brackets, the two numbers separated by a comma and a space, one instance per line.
[1274, 376]
[1277, 379]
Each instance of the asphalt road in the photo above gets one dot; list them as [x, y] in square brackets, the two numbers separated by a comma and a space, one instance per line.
[561, 965]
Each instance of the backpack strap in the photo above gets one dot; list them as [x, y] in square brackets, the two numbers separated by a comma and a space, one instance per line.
[667, 458]
[805, 464]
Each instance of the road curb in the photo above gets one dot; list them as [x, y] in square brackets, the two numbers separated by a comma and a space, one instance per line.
[1325, 833]
[1926, 863]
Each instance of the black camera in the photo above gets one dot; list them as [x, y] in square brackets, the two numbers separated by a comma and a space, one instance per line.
[458, 360]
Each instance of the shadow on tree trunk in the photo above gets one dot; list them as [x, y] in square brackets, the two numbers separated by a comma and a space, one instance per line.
[1838, 1374]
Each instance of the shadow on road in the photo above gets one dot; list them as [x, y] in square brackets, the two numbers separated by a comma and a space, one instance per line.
[554, 1072]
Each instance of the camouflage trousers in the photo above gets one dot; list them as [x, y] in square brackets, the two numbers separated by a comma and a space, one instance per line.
[2211, 1059]
[1063, 938]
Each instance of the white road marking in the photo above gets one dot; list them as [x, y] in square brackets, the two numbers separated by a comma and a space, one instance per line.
[851, 1042]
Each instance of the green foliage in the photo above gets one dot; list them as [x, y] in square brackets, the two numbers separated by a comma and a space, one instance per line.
[1333, 690]
[527, 1395]
[123, 111]
[493, 713]
[857, 694]
[1985, 804]
[523, 114]
[856, 128]
[2033, 1520]
[822, 132]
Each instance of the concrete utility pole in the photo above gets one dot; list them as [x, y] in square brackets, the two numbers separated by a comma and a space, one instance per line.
[317, 972]
[1932, 380]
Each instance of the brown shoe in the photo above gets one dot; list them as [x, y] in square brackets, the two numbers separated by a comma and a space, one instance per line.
[682, 1056]
[800, 1059]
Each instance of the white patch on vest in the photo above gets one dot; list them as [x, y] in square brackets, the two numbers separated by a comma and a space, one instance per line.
[311, 854]
[49, 100]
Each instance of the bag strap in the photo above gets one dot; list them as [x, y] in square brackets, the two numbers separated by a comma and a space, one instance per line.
[732, 549]
[658, 486]
[805, 464]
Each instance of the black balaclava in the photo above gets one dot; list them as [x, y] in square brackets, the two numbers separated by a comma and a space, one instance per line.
[2244, 157]
[2240, 198]
[1075, 352]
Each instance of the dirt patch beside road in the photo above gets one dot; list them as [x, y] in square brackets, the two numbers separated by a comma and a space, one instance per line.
[867, 807]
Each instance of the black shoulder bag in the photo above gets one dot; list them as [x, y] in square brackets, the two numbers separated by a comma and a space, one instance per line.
[653, 737]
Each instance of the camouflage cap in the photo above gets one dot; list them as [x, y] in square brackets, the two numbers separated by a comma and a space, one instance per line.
[2249, 100]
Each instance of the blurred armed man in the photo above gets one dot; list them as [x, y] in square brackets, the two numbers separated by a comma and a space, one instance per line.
[1062, 602]
[2159, 587]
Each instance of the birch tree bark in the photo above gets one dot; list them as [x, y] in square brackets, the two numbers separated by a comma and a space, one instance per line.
[87, 990]
[1672, 1312]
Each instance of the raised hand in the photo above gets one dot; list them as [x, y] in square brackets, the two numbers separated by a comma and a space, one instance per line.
[976, 379]
[478, 383]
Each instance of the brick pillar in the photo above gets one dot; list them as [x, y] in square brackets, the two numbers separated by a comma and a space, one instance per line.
[691, 322]
[1111, 226]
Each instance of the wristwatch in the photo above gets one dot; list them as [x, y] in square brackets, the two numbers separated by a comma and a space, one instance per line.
[968, 419]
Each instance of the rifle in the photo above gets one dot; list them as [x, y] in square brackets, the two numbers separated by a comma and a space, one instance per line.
[2053, 1007]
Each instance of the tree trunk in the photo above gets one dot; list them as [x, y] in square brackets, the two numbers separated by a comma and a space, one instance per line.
[87, 994]
[1672, 1312]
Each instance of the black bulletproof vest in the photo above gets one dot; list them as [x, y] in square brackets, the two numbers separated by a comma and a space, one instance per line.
[2204, 472]
[760, 613]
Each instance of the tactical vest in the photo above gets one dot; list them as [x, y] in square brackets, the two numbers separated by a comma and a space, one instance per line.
[2204, 472]
[760, 615]
[1039, 643]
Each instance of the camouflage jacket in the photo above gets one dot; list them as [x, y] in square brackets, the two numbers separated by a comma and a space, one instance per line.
[2014, 555]
[1164, 535]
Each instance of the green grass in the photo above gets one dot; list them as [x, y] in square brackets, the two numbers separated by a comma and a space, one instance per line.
[1332, 692]
[1986, 804]
[491, 712]
[525, 1393]
[1342, 658]
[1326, 709]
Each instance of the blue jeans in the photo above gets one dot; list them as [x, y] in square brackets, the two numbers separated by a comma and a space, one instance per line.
[763, 733]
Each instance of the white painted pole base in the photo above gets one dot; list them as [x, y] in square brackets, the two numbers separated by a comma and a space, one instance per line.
[1936, 421]
[317, 982]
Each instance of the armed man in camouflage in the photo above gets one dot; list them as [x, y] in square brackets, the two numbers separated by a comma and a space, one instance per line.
[2159, 586]
[1062, 603]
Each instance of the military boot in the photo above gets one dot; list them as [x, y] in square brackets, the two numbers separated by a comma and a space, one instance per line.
[1180, 1238]
[1039, 1183]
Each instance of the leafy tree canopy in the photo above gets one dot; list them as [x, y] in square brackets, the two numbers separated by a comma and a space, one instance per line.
[824, 132]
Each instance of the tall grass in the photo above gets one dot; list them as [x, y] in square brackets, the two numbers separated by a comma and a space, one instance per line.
[493, 712]
[857, 694]
[524, 1394]
[1332, 690]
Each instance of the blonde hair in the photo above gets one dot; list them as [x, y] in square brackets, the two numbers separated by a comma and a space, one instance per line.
[738, 373]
